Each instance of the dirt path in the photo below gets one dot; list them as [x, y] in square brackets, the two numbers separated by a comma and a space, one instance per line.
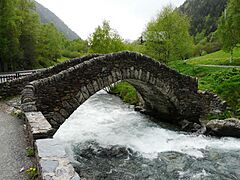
[220, 66]
[13, 146]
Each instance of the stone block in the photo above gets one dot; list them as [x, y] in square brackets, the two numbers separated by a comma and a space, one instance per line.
[80, 97]
[74, 103]
[110, 80]
[85, 92]
[128, 71]
[100, 83]
[90, 88]
[64, 113]
[59, 118]
[139, 74]
[124, 73]
[147, 77]
[39, 126]
[114, 76]
[119, 75]
[136, 73]
[95, 86]
[29, 107]
[53, 161]
[67, 106]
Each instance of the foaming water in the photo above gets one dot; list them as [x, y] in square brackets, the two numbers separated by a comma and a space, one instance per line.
[106, 120]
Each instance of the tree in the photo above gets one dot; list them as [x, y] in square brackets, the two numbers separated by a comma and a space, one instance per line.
[10, 52]
[29, 26]
[229, 27]
[105, 40]
[24, 41]
[167, 37]
[50, 44]
[204, 15]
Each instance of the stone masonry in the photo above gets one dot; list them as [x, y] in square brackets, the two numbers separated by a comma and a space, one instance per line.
[167, 94]
[14, 87]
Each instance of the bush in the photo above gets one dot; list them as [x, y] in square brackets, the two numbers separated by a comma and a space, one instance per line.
[204, 48]
[71, 54]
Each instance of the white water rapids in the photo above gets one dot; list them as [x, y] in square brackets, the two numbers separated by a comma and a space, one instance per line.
[106, 120]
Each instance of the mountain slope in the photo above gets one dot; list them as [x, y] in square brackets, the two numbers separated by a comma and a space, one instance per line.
[47, 16]
[204, 14]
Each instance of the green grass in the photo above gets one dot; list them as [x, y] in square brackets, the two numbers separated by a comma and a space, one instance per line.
[62, 59]
[30, 152]
[193, 70]
[223, 81]
[217, 58]
[127, 92]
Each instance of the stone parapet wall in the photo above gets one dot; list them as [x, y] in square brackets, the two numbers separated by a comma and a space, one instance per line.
[214, 104]
[52, 159]
[15, 86]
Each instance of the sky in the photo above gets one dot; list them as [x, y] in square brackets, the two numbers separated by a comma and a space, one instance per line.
[128, 17]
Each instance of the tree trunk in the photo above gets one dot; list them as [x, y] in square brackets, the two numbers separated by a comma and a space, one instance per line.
[1, 66]
[231, 57]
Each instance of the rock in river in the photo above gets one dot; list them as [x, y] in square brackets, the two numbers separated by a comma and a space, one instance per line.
[228, 127]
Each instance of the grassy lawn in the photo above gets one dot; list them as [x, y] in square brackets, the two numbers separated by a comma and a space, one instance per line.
[223, 81]
[62, 59]
[217, 58]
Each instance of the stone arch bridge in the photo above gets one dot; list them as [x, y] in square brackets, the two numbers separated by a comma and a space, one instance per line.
[58, 91]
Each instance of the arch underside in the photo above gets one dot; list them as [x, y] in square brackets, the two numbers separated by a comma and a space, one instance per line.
[155, 102]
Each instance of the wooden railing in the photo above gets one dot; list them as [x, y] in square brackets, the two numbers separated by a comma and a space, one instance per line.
[8, 76]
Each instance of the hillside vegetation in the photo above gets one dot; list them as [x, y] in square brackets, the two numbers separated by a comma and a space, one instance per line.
[46, 16]
[203, 14]
[27, 43]
[223, 81]
[217, 58]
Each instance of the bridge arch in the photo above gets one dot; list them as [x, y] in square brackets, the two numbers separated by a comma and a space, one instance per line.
[167, 93]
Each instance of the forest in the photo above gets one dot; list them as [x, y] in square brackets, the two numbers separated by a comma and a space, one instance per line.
[26, 43]
[196, 28]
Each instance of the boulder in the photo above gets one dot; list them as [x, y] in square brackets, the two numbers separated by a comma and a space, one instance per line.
[188, 126]
[228, 127]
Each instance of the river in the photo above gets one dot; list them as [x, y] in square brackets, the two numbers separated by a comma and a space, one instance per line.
[107, 139]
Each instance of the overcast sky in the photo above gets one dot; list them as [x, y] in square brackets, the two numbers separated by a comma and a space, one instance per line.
[128, 17]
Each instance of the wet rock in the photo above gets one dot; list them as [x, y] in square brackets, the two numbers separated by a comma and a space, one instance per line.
[228, 127]
[138, 108]
[102, 163]
[190, 126]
